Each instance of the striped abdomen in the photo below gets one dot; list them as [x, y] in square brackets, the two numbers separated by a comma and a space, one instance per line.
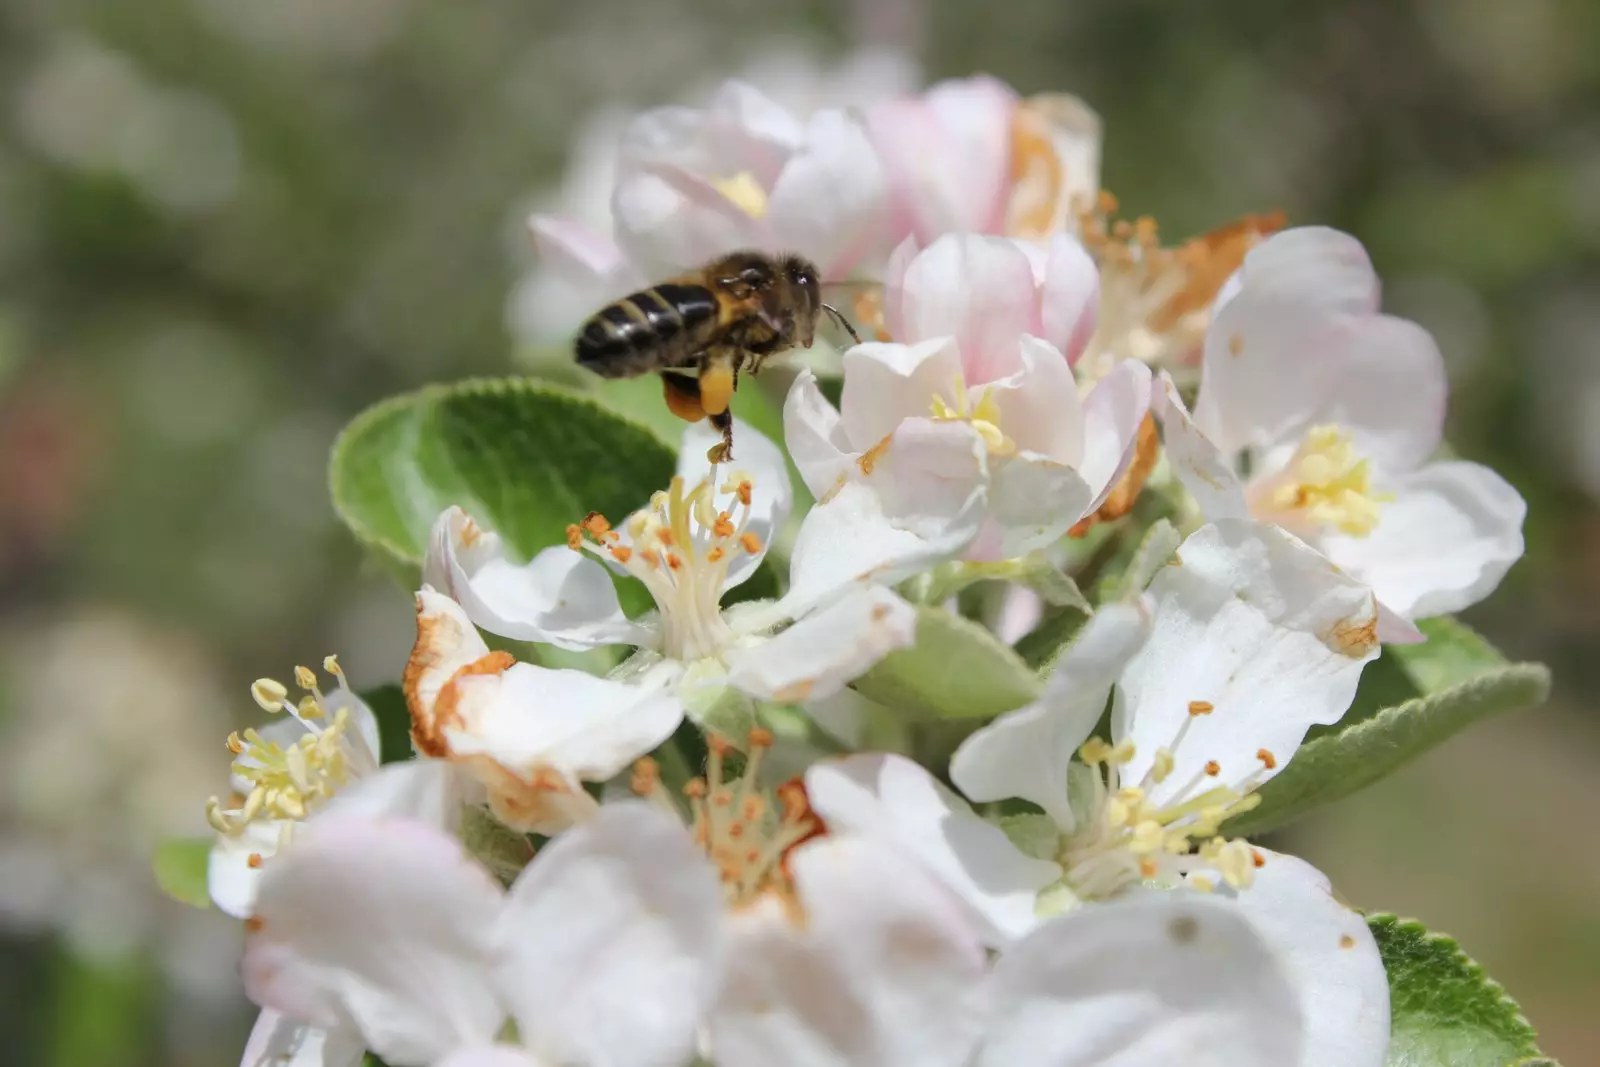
[654, 328]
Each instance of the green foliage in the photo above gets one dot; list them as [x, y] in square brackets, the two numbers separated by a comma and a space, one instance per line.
[1445, 1011]
[179, 865]
[1412, 698]
[1156, 549]
[388, 704]
[102, 1012]
[956, 670]
[524, 459]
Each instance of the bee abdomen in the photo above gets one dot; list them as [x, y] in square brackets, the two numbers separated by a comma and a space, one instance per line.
[645, 331]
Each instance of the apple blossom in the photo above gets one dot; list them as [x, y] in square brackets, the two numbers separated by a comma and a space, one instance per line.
[1319, 414]
[982, 328]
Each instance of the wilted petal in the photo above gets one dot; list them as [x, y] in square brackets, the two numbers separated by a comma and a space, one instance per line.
[1156, 980]
[612, 942]
[1112, 413]
[1199, 465]
[825, 651]
[891, 800]
[883, 971]
[385, 922]
[1329, 957]
[1025, 753]
[1256, 638]
[1443, 543]
[559, 597]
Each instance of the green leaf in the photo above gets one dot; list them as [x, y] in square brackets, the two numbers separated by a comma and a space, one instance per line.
[525, 459]
[179, 865]
[1157, 548]
[956, 670]
[1412, 698]
[1043, 645]
[388, 704]
[1445, 1011]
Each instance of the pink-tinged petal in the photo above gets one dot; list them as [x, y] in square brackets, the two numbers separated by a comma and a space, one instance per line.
[387, 923]
[894, 280]
[664, 132]
[771, 494]
[490, 1056]
[979, 290]
[947, 153]
[559, 597]
[1329, 957]
[825, 651]
[276, 1041]
[612, 942]
[1025, 753]
[828, 203]
[1276, 364]
[913, 501]
[1314, 264]
[1069, 296]
[885, 384]
[1443, 543]
[892, 801]
[1112, 413]
[1158, 979]
[883, 971]
[1033, 500]
[573, 251]
[1208, 477]
[814, 432]
[1395, 629]
[1256, 639]
[1039, 407]
[669, 221]
[746, 130]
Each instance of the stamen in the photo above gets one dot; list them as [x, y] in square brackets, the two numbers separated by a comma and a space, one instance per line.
[1326, 483]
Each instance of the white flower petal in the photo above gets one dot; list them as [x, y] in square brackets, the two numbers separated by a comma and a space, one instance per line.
[1443, 543]
[1155, 980]
[893, 801]
[825, 651]
[1314, 264]
[919, 501]
[748, 130]
[1330, 958]
[815, 435]
[1039, 407]
[559, 597]
[979, 290]
[771, 495]
[612, 942]
[1070, 296]
[276, 1041]
[573, 251]
[1208, 477]
[1025, 753]
[1034, 500]
[828, 203]
[231, 878]
[663, 231]
[490, 1056]
[584, 727]
[427, 790]
[883, 972]
[385, 922]
[885, 384]
[1112, 413]
[1263, 629]
[363, 738]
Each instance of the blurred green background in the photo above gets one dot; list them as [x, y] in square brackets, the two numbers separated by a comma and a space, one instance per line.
[227, 225]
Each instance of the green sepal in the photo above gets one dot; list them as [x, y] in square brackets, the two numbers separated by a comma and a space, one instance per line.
[179, 866]
[1444, 1010]
[956, 670]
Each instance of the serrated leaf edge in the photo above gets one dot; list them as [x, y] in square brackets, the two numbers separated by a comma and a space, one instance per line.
[503, 386]
[1535, 677]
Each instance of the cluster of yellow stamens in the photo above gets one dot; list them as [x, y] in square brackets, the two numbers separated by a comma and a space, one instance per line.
[1130, 836]
[746, 833]
[1326, 484]
[288, 780]
[681, 548]
[983, 416]
[744, 192]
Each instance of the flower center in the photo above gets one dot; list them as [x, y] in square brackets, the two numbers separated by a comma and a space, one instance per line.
[746, 832]
[1326, 483]
[290, 780]
[743, 192]
[1130, 836]
[984, 416]
[681, 548]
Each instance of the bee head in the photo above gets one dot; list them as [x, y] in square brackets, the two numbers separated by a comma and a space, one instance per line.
[805, 292]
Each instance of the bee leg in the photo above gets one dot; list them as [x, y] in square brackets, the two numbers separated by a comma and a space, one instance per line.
[722, 451]
[683, 397]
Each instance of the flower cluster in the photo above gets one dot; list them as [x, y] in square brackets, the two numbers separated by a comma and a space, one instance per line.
[729, 829]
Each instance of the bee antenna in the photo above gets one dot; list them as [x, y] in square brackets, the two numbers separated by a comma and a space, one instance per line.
[842, 321]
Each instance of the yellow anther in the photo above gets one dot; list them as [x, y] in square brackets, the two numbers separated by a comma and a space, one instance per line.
[331, 665]
[984, 417]
[269, 693]
[1147, 837]
[1162, 765]
[1094, 750]
[1118, 813]
[1122, 753]
[1236, 864]
[1330, 483]
[743, 192]
[1202, 883]
[304, 678]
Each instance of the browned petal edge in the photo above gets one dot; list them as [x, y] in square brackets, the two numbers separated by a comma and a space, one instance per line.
[1209, 260]
[1120, 501]
[428, 724]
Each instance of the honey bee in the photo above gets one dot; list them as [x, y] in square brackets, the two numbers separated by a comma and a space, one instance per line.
[701, 329]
